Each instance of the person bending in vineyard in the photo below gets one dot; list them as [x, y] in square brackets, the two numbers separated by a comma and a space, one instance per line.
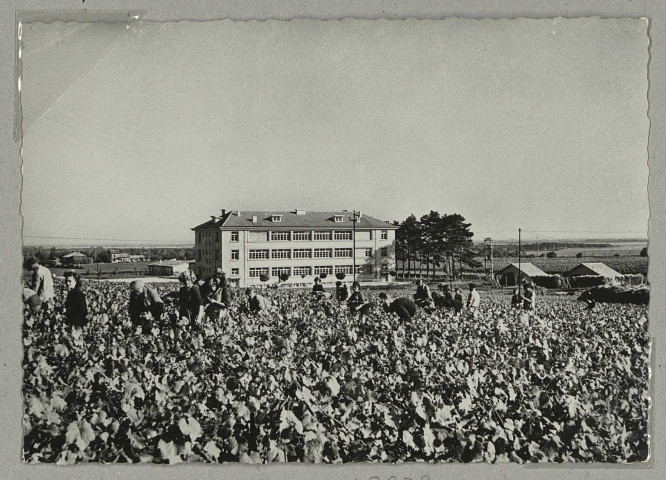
[32, 300]
[404, 307]
[144, 303]
[76, 307]
[42, 282]
[255, 302]
[189, 300]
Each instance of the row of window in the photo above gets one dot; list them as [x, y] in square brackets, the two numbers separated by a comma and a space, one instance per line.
[306, 236]
[280, 253]
[256, 272]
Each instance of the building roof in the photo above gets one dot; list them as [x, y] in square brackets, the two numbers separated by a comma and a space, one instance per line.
[168, 263]
[74, 254]
[291, 219]
[527, 268]
[599, 269]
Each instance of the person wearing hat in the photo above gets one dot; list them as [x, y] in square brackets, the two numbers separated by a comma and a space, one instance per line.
[144, 302]
[473, 299]
[255, 302]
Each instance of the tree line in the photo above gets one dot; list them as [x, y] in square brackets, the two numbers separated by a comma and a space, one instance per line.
[436, 242]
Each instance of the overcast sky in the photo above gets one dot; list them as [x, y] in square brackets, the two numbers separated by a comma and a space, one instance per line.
[141, 133]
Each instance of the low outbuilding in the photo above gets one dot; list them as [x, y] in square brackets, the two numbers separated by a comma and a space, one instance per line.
[167, 268]
[512, 274]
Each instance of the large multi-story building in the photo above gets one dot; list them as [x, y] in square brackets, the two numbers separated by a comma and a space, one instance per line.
[251, 246]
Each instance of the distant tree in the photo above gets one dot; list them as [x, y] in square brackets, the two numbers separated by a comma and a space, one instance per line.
[340, 275]
[284, 276]
[579, 255]
[323, 275]
[264, 277]
[551, 255]
[644, 252]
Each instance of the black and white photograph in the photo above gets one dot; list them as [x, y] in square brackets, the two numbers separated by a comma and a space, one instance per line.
[335, 242]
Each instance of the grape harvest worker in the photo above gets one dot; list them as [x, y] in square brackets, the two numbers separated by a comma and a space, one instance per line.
[255, 302]
[144, 300]
[341, 291]
[189, 299]
[422, 296]
[32, 300]
[473, 299]
[516, 301]
[404, 307]
[317, 287]
[528, 297]
[42, 281]
[76, 307]
[220, 299]
[357, 302]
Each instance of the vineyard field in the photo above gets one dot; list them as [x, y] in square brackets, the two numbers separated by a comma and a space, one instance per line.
[308, 382]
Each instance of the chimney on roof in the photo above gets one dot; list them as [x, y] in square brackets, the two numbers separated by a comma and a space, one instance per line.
[360, 214]
[213, 218]
[224, 212]
[254, 219]
[300, 211]
[238, 213]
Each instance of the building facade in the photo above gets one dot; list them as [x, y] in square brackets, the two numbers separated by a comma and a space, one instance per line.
[167, 268]
[256, 245]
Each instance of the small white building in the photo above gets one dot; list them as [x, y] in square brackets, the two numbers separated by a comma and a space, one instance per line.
[167, 268]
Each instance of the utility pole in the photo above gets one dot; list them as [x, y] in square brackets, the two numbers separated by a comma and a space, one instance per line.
[354, 243]
[520, 270]
[537, 245]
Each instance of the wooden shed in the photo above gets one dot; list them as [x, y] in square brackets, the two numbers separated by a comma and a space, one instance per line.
[510, 275]
[167, 268]
[593, 269]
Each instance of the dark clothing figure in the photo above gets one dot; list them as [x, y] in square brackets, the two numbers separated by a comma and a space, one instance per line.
[145, 301]
[76, 308]
[342, 293]
[588, 299]
[404, 307]
[189, 301]
[355, 301]
[516, 301]
[257, 304]
[205, 291]
[318, 288]
[221, 296]
[422, 293]
[528, 299]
